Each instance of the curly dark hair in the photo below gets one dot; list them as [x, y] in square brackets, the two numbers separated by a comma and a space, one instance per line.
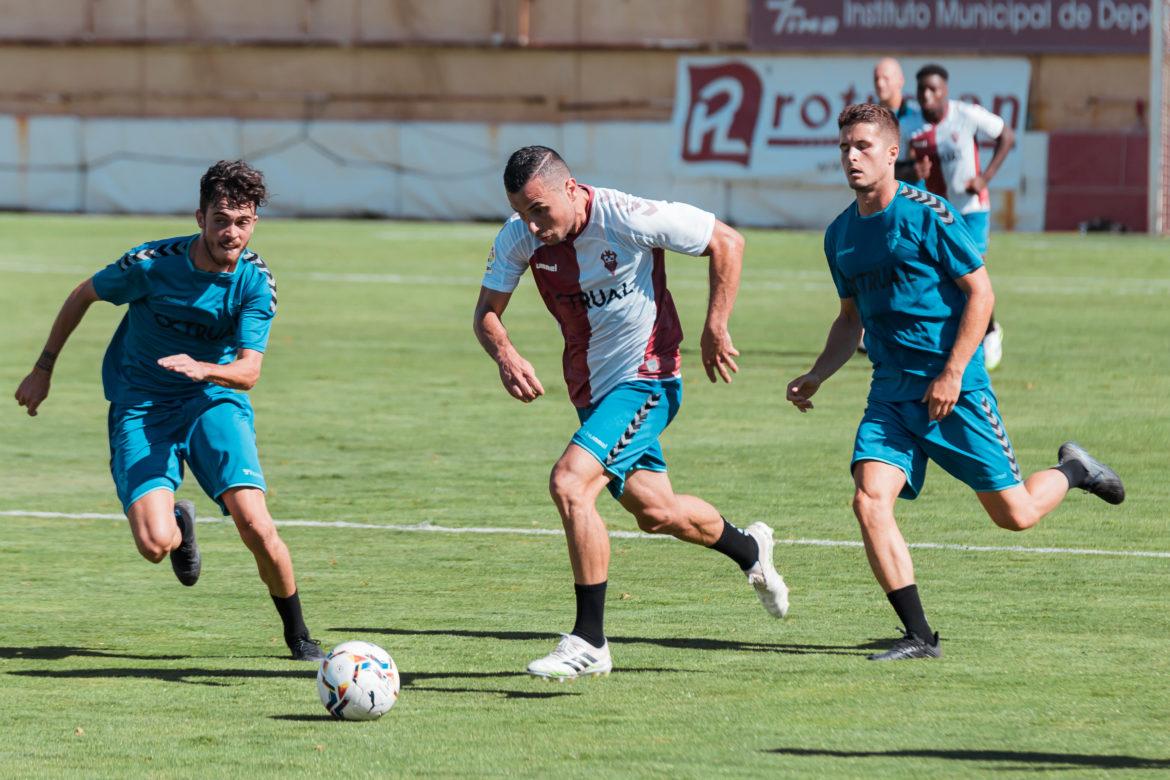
[529, 162]
[869, 113]
[235, 182]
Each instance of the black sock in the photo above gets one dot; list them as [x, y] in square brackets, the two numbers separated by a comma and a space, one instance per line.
[737, 546]
[1074, 471]
[991, 323]
[590, 613]
[909, 608]
[290, 614]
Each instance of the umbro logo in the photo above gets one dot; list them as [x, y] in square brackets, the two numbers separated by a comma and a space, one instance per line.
[546, 267]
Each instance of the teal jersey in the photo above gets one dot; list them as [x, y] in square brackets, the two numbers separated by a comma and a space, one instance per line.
[899, 267]
[175, 308]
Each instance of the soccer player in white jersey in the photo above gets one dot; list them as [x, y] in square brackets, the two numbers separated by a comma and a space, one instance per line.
[946, 153]
[597, 257]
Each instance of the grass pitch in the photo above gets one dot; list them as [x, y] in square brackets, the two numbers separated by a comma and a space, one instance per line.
[378, 407]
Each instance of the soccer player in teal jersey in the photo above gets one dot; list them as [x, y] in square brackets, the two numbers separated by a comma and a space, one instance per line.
[175, 374]
[906, 267]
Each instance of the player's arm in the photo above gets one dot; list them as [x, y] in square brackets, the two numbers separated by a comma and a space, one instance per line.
[943, 392]
[241, 374]
[726, 252]
[1003, 144]
[516, 373]
[35, 387]
[839, 348]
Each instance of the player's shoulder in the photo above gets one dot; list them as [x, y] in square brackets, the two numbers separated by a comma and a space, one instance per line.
[612, 206]
[259, 279]
[151, 252]
[916, 202]
[840, 224]
[514, 240]
[961, 109]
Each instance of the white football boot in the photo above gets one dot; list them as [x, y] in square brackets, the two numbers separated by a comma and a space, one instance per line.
[993, 347]
[763, 576]
[573, 658]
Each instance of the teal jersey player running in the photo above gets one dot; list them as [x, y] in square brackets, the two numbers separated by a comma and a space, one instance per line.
[907, 269]
[192, 341]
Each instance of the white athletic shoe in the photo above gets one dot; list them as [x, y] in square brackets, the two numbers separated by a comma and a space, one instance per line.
[993, 347]
[763, 576]
[573, 658]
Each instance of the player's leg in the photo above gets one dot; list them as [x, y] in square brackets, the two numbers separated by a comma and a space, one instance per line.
[877, 486]
[152, 523]
[1021, 507]
[249, 511]
[145, 465]
[577, 479]
[888, 463]
[221, 450]
[972, 444]
[651, 499]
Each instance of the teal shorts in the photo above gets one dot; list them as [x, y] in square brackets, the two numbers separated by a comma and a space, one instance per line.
[214, 435]
[622, 429]
[970, 443]
[979, 225]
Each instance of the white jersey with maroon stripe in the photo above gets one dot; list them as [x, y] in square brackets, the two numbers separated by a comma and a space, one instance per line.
[953, 148]
[606, 286]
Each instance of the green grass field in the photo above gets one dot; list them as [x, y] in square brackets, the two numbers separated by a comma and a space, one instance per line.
[378, 407]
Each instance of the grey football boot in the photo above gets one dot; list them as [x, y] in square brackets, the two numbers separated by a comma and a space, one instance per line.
[185, 559]
[1100, 480]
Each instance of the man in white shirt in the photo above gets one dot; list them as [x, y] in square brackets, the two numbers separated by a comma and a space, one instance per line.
[597, 257]
[946, 154]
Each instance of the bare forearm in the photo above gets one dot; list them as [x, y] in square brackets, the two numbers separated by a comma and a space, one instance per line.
[492, 335]
[237, 375]
[725, 269]
[972, 328]
[1003, 145]
[68, 318]
[839, 347]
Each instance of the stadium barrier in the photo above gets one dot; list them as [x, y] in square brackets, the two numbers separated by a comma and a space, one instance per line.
[408, 170]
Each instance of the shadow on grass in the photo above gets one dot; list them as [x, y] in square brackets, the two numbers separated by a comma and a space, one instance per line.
[227, 677]
[61, 652]
[674, 643]
[1022, 758]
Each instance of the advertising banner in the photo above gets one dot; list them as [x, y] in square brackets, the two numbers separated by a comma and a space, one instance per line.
[1071, 26]
[776, 117]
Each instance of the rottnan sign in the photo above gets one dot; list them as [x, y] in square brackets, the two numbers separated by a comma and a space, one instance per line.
[776, 117]
[1090, 26]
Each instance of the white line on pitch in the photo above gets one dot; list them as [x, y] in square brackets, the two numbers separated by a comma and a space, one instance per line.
[442, 529]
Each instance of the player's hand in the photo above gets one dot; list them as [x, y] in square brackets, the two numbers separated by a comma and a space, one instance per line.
[977, 185]
[803, 388]
[942, 394]
[718, 353]
[185, 365]
[519, 378]
[33, 390]
[922, 167]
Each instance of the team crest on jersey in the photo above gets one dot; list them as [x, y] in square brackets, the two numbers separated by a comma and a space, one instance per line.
[610, 261]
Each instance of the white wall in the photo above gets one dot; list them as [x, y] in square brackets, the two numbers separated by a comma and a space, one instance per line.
[412, 170]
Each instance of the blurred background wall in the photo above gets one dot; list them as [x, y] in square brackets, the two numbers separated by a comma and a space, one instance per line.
[410, 108]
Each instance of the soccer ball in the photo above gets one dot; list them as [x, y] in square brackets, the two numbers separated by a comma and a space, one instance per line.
[358, 681]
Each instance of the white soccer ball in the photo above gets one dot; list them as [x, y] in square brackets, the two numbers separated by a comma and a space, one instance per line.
[358, 681]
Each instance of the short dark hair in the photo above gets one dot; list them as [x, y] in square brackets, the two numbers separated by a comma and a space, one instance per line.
[932, 69]
[868, 113]
[235, 182]
[529, 162]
